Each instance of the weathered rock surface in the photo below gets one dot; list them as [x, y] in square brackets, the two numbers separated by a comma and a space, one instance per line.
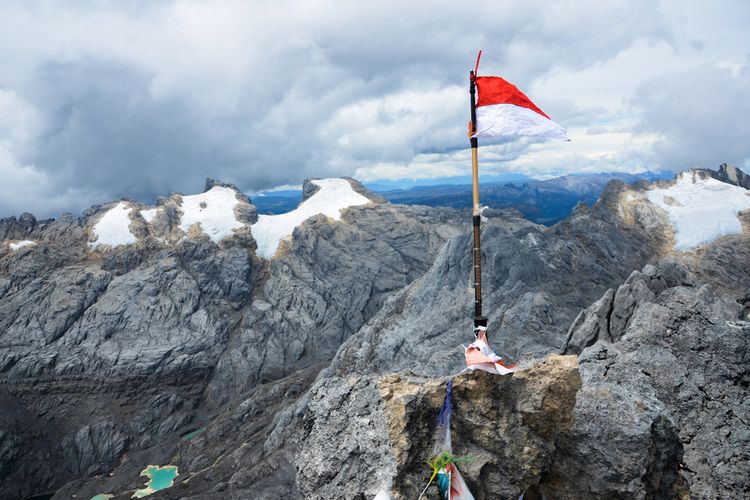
[124, 349]
[731, 175]
[95, 447]
[659, 411]
[326, 286]
[590, 325]
[384, 430]
[675, 384]
[535, 281]
[318, 373]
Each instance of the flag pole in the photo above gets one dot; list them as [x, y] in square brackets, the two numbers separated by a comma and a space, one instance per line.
[476, 215]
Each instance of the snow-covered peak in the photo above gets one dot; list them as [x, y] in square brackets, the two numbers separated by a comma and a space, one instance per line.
[113, 228]
[219, 212]
[333, 196]
[17, 245]
[701, 208]
[213, 210]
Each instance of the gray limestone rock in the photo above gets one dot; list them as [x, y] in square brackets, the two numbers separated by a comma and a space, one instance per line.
[730, 175]
[332, 280]
[19, 228]
[640, 426]
[94, 448]
[364, 434]
[361, 189]
[590, 325]
[179, 350]
[631, 293]
[24, 453]
[345, 419]
[535, 282]
[681, 355]
[308, 189]
[744, 314]
[118, 352]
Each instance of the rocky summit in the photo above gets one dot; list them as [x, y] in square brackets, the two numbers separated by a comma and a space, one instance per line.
[306, 355]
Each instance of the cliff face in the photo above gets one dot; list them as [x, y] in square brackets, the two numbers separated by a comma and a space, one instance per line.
[318, 373]
[672, 386]
[126, 347]
[506, 426]
[657, 408]
[657, 412]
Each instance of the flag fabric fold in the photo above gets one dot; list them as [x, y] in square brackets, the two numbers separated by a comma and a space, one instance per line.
[502, 110]
[451, 485]
[480, 356]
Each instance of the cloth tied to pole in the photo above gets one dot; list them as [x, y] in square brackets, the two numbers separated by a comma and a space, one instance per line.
[480, 356]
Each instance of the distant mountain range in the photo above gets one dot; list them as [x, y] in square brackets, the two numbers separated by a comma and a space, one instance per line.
[541, 201]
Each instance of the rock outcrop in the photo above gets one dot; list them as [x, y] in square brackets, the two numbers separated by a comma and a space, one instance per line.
[535, 280]
[506, 425]
[641, 418]
[673, 384]
[121, 349]
[730, 174]
[318, 373]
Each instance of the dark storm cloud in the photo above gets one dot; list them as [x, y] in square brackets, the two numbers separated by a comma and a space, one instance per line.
[698, 118]
[105, 130]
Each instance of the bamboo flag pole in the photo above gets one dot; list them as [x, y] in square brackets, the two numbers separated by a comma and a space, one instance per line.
[506, 112]
[479, 320]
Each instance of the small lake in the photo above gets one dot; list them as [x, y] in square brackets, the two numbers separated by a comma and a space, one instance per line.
[159, 479]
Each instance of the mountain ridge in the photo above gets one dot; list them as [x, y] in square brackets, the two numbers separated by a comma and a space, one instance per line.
[542, 201]
[113, 355]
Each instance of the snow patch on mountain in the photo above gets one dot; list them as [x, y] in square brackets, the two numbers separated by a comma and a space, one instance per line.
[382, 495]
[149, 214]
[113, 228]
[333, 196]
[213, 210]
[17, 245]
[701, 209]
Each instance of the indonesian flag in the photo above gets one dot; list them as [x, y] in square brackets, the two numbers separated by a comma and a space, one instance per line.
[503, 110]
[480, 356]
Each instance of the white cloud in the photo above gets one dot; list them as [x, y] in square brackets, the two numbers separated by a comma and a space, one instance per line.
[398, 125]
[139, 99]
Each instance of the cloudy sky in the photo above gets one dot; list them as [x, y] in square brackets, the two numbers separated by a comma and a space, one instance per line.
[102, 100]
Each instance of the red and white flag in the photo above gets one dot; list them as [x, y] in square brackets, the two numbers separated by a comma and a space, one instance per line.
[503, 110]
